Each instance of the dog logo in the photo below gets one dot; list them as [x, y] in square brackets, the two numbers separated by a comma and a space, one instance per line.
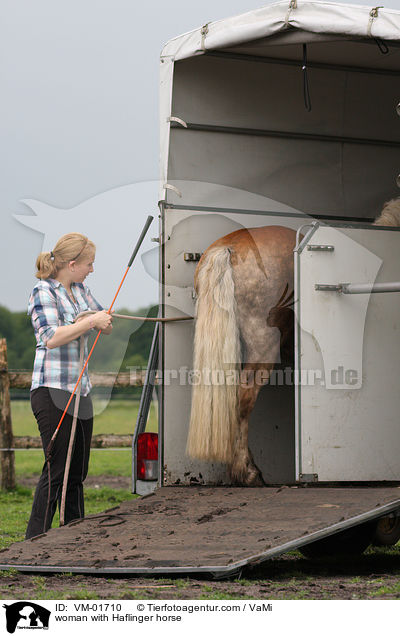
[26, 615]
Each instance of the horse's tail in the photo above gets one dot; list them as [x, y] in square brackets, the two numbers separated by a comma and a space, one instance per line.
[214, 414]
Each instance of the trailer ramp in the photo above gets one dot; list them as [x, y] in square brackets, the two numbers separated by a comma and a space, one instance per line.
[192, 530]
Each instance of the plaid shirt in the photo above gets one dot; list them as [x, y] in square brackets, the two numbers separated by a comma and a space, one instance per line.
[51, 307]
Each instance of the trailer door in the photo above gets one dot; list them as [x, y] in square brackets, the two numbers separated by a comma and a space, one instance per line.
[347, 354]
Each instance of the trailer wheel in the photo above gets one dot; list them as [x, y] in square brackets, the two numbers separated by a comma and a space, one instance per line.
[352, 541]
[387, 531]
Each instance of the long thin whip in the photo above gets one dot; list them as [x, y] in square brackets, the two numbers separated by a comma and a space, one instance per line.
[71, 444]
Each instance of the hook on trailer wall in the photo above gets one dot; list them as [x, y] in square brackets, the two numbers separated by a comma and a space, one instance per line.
[169, 186]
[178, 120]
[314, 225]
[292, 5]
[373, 15]
[204, 33]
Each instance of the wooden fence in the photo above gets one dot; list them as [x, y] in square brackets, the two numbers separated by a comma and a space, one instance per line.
[22, 380]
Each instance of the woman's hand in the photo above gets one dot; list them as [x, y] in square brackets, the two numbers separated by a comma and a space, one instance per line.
[101, 320]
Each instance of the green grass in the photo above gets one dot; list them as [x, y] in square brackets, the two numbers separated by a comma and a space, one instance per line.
[15, 508]
[102, 462]
[385, 590]
[114, 416]
[14, 511]
[119, 417]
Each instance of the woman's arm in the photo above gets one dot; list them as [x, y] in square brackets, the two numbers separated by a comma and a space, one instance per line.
[64, 335]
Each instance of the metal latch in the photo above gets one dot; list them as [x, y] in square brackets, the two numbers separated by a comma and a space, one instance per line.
[192, 256]
[320, 287]
[320, 248]
[361, 288]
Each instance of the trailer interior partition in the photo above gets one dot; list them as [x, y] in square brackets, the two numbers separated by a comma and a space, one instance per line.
[284, 129]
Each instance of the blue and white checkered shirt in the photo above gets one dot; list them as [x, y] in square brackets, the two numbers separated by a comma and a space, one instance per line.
[50, 307]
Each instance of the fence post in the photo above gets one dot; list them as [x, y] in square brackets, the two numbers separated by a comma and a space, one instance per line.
[6, 434]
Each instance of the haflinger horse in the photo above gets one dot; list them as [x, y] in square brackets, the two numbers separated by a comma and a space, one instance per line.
[244, 328]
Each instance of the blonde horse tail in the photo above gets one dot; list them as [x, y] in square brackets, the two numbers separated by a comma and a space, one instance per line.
[214, 413]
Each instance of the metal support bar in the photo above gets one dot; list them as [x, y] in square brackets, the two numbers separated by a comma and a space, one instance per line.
[320, 65]
[360, 288]
[145, 401]
[369, 288]
[285, 134]
[301, 215]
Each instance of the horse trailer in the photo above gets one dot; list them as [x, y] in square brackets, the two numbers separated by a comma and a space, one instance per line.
[287, 115]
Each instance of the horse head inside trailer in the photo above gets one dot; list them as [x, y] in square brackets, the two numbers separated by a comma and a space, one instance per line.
[288, 116]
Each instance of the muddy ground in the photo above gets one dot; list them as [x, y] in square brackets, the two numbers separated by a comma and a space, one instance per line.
[373, 575]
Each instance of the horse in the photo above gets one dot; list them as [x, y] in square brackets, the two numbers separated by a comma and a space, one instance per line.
[244, 328]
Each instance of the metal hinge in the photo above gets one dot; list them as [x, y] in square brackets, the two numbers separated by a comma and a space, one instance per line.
[308, 477]
[192, 256]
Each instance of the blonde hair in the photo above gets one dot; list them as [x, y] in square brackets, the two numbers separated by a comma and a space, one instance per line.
[390, 214]
[70, 247]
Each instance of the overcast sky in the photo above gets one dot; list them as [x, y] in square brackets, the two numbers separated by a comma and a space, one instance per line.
[79, 131]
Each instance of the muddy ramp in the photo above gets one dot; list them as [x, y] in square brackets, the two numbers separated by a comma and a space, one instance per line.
[199, 529]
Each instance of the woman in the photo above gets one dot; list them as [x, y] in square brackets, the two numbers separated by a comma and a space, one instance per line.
[56, 300]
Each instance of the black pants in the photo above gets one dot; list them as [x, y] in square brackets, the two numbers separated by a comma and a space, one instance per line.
[48, 405]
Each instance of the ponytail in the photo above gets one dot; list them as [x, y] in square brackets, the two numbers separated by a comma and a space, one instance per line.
[45, 265]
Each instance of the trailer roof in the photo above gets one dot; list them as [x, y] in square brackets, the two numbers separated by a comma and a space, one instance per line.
[271, 24]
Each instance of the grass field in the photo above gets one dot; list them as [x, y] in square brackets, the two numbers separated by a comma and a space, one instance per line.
[15, 508]
[116, 416]
[102, 462]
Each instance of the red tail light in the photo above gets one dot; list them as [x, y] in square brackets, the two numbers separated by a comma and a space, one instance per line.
[147, 456]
